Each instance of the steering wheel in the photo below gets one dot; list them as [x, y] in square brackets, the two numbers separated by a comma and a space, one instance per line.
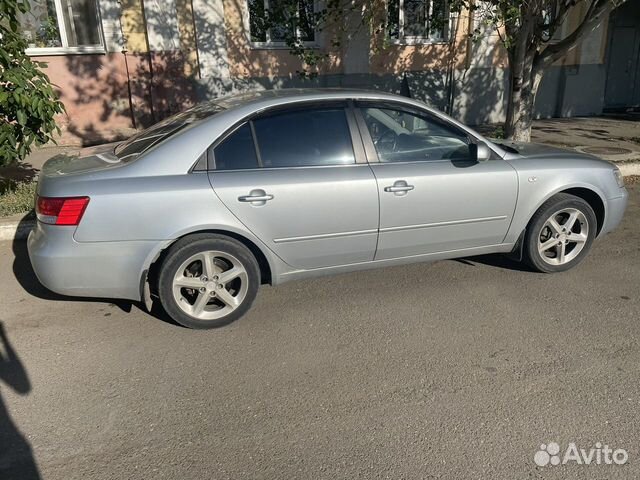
[387, 142]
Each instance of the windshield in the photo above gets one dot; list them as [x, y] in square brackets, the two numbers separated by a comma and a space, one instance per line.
[143, 141]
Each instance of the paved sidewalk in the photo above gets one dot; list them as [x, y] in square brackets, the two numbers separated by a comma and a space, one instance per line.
[613, 138]
[28, 170]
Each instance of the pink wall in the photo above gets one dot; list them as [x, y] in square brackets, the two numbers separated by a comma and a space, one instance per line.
[107, 95]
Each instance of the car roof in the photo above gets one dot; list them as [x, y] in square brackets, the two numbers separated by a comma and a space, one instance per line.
[265, 98]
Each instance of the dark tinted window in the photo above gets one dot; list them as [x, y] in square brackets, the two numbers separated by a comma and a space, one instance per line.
[236, 151]
[305, 138]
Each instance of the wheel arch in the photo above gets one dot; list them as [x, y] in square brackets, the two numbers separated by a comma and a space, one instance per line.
[150, 274]
[594, 200]
[588, 193]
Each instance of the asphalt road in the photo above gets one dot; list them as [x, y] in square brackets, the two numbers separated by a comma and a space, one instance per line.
[457, 369]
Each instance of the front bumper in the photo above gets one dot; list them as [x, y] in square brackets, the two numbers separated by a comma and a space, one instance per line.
[87, 269]
[615, 211]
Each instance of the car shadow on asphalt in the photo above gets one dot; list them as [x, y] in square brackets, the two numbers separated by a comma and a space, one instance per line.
[26, 277]
[496, 260]
[16, 455]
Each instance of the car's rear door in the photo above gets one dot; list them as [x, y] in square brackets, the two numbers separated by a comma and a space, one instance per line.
[297, 180]
[434, 197]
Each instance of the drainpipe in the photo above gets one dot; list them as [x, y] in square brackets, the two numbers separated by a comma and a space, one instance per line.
[469, 47]
[468, 55]
[146, 38]
[126, 67]
[195, 39]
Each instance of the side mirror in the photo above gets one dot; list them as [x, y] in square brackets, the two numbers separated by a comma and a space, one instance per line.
[480, 151]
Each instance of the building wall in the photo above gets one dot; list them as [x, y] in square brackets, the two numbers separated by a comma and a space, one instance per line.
[575, 85]
[93, 89]
[146, 72]
[163, 55]
[468, 79]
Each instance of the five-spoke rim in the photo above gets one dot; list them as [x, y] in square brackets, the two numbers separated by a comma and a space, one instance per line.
[563, 236]
[210, 285]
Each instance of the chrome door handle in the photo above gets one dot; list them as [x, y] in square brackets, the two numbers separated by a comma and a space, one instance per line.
[399, 188]
[256, 197]
[406, 188]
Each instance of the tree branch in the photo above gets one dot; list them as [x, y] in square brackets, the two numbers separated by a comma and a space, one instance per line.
[591, 20]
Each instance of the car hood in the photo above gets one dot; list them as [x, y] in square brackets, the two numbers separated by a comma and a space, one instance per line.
[540, 151]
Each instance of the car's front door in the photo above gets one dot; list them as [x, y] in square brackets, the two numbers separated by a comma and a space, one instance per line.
[434, 197]
[294, 179]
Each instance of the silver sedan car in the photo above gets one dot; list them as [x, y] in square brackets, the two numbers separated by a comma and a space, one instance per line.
[202, 208]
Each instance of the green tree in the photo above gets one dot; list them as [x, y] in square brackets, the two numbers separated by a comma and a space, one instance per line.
[528, 29]
[530, 32]
[28, 102]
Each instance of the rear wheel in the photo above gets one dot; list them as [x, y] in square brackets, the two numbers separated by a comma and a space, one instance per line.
[207, 281]
[560, 234]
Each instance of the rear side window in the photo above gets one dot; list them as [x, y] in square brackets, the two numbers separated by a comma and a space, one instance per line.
[301, 138]
[161, 131]
[237, 151]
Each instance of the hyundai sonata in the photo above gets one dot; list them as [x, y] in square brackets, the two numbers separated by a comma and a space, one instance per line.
[200, 209]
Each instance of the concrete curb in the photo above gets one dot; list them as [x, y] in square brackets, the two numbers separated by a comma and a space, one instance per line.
[629, 168]
[14, 228]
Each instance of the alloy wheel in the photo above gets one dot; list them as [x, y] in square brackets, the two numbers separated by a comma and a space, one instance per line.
[563, 236]
[210, 285]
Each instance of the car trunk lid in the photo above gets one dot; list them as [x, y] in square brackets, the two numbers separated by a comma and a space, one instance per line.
[82, 161]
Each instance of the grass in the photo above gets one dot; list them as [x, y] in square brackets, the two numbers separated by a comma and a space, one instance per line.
[17, 198]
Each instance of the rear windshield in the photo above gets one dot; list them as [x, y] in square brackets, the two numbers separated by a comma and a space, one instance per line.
[146, 139]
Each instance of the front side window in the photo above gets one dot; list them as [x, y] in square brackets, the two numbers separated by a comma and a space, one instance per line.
[417, 20]
[301, 138]
[272, 21]
[401, 136]
[61, 24]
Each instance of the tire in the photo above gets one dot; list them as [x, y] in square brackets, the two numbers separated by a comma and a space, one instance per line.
[552, 245]
[197, 299]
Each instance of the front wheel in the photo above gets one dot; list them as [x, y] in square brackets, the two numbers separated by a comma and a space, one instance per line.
[560, 234]
[208, 281]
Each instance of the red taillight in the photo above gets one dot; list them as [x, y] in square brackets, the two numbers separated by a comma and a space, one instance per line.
[61, 211]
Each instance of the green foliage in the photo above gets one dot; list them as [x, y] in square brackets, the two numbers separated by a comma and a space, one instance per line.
[17, 198]
[498, 132]
[28, 103]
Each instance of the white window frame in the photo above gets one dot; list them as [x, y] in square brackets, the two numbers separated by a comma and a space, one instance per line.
[275, 45]
[419, 39]
[65, 49]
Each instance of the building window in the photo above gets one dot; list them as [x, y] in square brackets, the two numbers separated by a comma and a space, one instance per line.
[418, 21]
[62, 26]
[285, 19]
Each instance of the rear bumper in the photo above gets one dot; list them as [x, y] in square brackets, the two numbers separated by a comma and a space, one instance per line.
[615, 211]
[87, 269]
